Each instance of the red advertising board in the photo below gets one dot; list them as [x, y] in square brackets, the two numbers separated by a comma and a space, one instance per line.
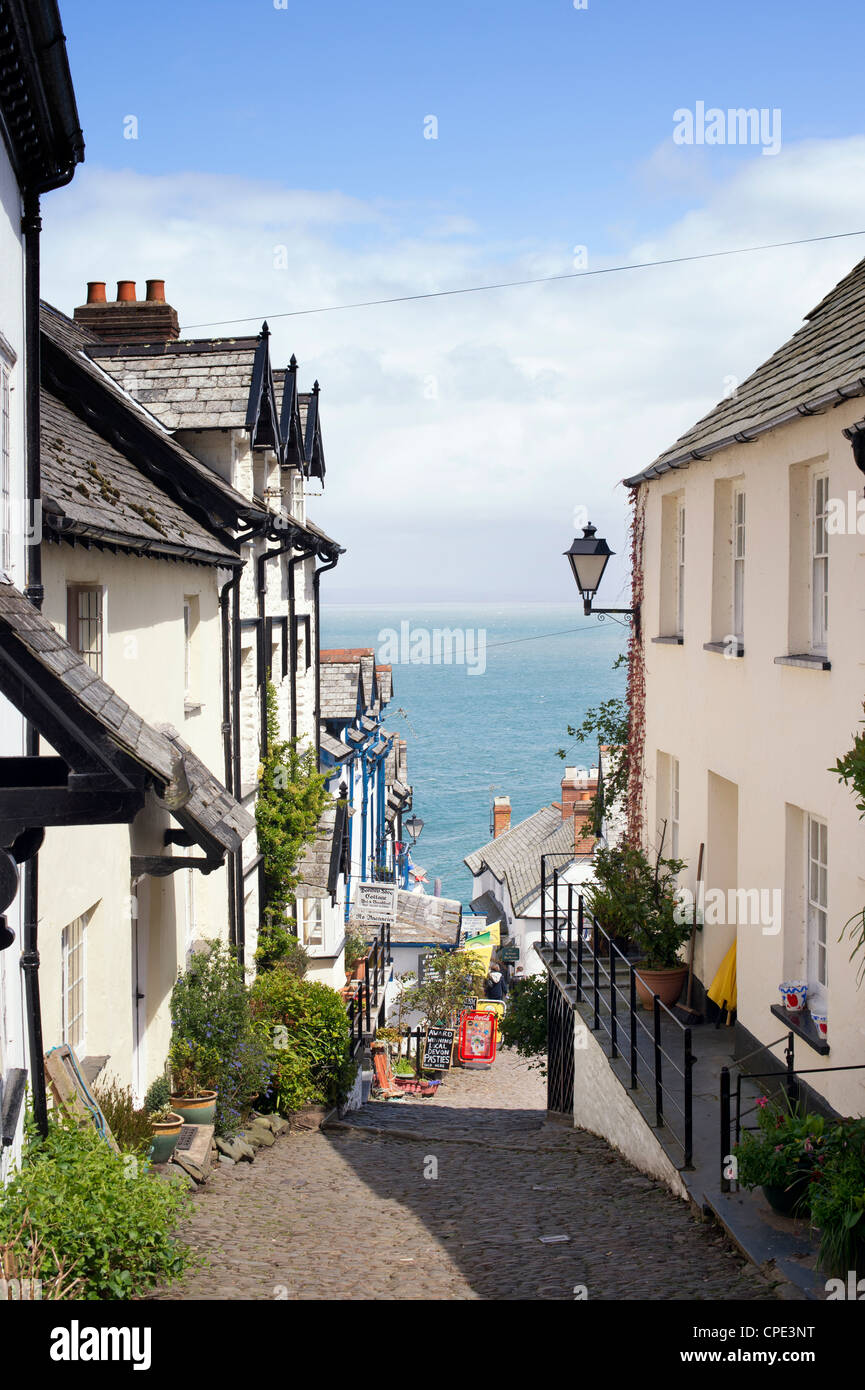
[478, 1036]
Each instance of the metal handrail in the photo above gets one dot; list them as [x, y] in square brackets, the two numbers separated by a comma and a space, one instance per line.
[596, 984]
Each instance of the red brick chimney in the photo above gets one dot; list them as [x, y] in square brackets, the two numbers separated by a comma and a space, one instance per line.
[501, 815]
[128, 319]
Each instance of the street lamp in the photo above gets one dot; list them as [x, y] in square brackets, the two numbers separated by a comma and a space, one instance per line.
[588, 557]
[414, 826]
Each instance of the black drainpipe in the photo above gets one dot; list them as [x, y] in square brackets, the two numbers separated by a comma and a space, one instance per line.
[316, 589]
[261, 590]
[227, 742]
[236, 788]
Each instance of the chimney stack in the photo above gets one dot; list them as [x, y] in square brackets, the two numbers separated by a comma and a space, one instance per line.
[128, 319]
[501, 815]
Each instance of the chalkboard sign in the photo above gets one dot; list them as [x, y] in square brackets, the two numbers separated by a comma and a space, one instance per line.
[438, 1046]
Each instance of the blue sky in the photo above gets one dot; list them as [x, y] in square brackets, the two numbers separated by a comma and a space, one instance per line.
[304, 127]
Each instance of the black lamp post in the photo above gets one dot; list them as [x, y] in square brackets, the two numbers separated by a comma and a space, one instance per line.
[414, 826]
[588, 557]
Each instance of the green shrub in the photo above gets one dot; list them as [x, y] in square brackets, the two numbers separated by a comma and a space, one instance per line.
[356, 947]
[306, 1028]
[158, 1095]
[837, 1198]
[788, 1145]
[278, 945]
[634, 899]
[130, 1126]
[524, 1025]
[102, 1217]
[213, 1043]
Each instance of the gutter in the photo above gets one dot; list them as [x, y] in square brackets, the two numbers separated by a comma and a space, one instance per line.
[316, 589]
[747, 436]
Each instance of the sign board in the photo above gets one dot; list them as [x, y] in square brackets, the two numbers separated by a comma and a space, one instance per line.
[511, 953]
[478, 1034]
[375, 903]
[438, 1048]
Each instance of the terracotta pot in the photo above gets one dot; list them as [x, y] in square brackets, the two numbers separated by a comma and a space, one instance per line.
[164, 1139]
[666, 983]
[196, 1110]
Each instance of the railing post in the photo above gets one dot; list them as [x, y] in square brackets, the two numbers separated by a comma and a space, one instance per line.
[596, 985]
[689, 1101]
[555, 916]
[418, 1050]
[569, 955]
[725, 1127]
[580, 949]
[659, 1089]
[365, 987]
[632, 1009]
[543, 900]
[614, 1034]
[792, 1085]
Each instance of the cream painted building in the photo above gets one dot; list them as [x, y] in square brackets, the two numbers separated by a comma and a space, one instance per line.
[753, 637]
[133, 581]
[221, 401]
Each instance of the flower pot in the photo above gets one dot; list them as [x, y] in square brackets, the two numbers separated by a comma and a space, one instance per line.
[666, 983]
[165, 1134]
[196, 1110]
[791, 1200]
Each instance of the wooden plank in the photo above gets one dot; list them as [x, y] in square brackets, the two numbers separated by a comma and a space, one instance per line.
[70, 1093]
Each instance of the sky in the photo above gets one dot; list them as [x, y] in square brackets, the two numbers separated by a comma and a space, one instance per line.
[290, 158]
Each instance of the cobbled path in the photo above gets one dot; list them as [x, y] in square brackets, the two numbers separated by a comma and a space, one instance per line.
[355, 1213]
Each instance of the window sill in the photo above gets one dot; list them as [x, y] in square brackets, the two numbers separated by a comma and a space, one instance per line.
[723, 649]
[191, 707]
[807, 660]
[670, 641]
[803, 1026]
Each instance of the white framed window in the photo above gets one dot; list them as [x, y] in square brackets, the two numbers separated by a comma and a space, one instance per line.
[310, 919]
[5, 470]
[817, 906]
[674, 808]
[73, 949]
[819, 563]
[85, 623]
[680, 570]
[187, 647]
[739, 564]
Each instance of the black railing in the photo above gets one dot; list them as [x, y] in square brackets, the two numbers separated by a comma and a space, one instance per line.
[657, 1056]
[366, 1008]
[733, 1115]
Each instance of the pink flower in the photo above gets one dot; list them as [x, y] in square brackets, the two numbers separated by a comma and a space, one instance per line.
[762, 1101]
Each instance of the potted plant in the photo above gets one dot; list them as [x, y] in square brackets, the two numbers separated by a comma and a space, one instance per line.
[783, 1155]
[194, 1069]
[637, 901]
[837, 1199]
[166, 1127]
[392, 1037]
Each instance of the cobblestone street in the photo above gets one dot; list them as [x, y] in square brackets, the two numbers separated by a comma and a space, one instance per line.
[349, 1213]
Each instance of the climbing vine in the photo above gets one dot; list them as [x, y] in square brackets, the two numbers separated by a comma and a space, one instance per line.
[636, 692]
[291, 798]
[851, 770]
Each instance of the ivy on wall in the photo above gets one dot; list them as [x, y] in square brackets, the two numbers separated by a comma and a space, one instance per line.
[291, 798]
[851, 771]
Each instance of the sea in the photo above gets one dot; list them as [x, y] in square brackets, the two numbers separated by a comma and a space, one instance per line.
[491, 724]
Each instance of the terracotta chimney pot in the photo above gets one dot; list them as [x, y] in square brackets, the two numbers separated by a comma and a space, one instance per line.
[126, 292]
[156, 291]
[96, 292]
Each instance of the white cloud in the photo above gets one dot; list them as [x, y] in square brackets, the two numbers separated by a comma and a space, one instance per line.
[479, 414]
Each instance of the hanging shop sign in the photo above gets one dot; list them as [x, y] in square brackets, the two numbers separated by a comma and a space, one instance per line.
[375, 902]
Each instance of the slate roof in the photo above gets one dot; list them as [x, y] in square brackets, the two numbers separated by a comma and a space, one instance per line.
[821, 365]
[315, 862]
[331, 745]
[91, 489]
[188, 384]
[339, 690]
[422, 919]
[74, 342]
[515, 857]
[194, 796]
[384, 675]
